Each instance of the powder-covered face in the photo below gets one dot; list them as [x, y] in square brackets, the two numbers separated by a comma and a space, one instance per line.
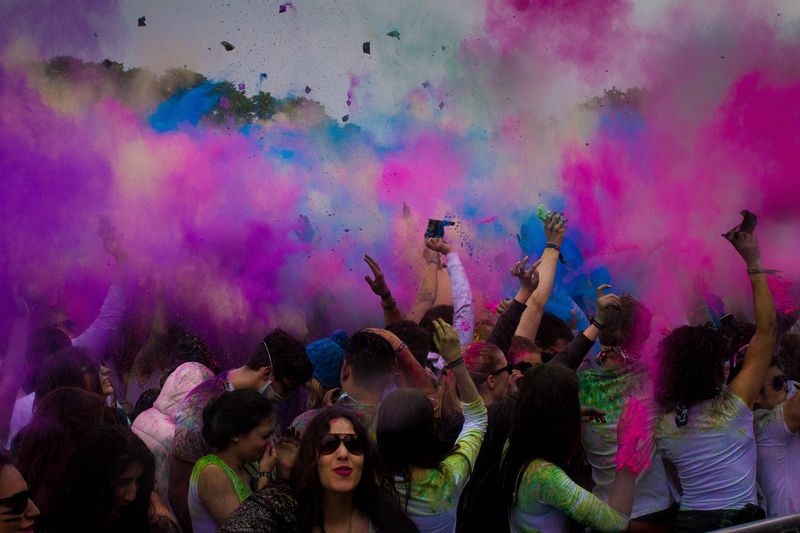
[341, 470]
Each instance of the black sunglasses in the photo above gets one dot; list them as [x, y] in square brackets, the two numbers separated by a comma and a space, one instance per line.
[330, 443]
[508, 368]
[522, 366]
[779, 382]
[17, 502]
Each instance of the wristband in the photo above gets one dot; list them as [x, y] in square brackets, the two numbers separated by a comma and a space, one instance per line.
[754, 271]
[557, 248]
[386, 296]
[392, 303]
[459, 361]
[596, 324]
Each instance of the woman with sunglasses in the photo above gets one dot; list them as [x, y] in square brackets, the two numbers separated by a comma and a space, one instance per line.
[429, 475]
[337, 481]
[17, 510]
[238, 425]
[706, 428]
[777, 425]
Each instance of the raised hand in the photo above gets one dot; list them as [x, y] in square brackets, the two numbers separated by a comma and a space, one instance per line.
[607, 304]
[378, 284]
[746, 244]
[111, 241]
[446, 340]
[528, 276]
[431, 257]
[438, 245]
[555, 227]
[502, 306]
[269, 458]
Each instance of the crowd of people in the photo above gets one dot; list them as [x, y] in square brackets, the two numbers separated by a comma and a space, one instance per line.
[434, 422]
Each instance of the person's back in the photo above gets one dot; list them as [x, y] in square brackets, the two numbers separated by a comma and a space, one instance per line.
[714, 453]
[156, 426]
[607, 390]
[481, 506]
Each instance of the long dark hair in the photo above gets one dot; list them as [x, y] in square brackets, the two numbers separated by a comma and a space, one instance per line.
[101, 458]
[374, 495]
[407, 434]
[61, 418]
[546, 423]
[691, 367]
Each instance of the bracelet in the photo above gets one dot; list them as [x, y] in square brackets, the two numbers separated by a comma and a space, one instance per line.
[459, 361]
[392, 304]
[752, 271]
[557, 248]
[596, 324]
[386, 296]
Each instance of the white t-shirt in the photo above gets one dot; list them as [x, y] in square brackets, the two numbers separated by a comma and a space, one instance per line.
[778, 461]
[714, 453]
[21, 416]
[607, 390]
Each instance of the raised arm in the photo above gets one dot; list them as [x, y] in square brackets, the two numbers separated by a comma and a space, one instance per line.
[12, 367]
[747, 382]
[463, 305]
[576, 350]
[503, 331]
[554, 229]
[447, 343]
[429, 287]
[97, 335]
[391, 313]
[411, 372]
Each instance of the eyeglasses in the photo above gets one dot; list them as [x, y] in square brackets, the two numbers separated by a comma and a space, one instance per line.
[508, 368]
[329, 443]
[17, 502]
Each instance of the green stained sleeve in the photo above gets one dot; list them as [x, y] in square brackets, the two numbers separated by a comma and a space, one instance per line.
[546, 483]
[458, 465]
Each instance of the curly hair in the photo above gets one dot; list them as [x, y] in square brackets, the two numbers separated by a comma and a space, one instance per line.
[234, 413]
[691, 361]
[374, 496]
[629, 328]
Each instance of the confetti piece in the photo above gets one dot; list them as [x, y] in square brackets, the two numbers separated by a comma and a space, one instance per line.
[228, 46]
[241, 86]
[348, 103]
[365, 47]
[308, 89]
[395, 34]
[426, 84]
[345, 118]
[488, 220]
[282, 8]
[441, 105]
[142, 22]
[263, 75]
